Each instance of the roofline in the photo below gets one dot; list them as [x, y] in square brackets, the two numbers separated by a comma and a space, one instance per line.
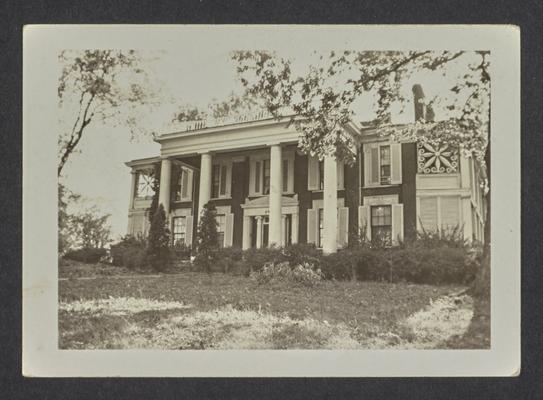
[142, 161]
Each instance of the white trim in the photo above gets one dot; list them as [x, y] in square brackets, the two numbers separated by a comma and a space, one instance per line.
[381, 200]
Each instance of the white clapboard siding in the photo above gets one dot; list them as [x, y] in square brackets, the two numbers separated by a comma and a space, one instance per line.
[343, 226]
[312, 225]
[396, 163]
[312, 173]
[229, 230]
[188, 230]
[364, 220]
[397, 223]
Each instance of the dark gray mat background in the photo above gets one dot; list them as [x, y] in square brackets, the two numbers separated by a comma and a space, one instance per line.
[13, 15]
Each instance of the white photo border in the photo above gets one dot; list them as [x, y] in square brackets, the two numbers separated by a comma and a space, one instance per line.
[41, 356]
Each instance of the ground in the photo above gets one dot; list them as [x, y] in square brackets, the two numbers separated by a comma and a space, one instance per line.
[106, 307]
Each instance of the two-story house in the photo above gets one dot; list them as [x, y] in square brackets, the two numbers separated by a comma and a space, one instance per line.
[268, 192]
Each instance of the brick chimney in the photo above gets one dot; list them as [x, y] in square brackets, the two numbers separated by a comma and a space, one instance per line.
[422, 111]
[418, 100]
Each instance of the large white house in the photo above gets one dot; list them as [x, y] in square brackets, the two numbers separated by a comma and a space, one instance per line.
[267, 192]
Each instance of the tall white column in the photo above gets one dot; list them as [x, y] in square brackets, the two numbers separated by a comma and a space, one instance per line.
[205, 182]
[133, 189]
[258, 232]
[329, 244]
[283, 230]
[246, 233]
[276, 192]
[294, 228]
[165, 178]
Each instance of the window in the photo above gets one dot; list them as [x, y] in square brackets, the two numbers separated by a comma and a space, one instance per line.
[221, 228]
[381, 224]
[384, 160]
[260, 175]
[184, 185]
[220, 181]
[266, 176]
[285, 175]
[215, 181]
[257, 177]
[179, 230]
[321, 175]
[146, 183]
[320, 227]
[382, 164]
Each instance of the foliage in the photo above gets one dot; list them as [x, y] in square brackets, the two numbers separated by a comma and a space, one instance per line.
[156, 192]
[65, 197]
[90, 228]
[301, 253]
[86, 254]
[104, 85]
[122, 253]
[304, 274]
[231, 106]
[158, 243]
[255, 259]
[321, 100]
[182, 251]
[207, 239]
[229, 260]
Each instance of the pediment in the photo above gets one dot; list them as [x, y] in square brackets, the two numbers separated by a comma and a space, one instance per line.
[264, 201]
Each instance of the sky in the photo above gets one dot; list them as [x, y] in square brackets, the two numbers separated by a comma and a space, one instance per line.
[192, 74]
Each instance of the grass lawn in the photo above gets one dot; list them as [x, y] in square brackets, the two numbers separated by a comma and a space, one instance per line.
[197, 311]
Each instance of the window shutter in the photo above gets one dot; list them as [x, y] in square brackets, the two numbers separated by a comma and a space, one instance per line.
[186, 184]
[396, 163]
[229, 179]
[252, 177]
[312, 173]
[312, 225]
[188, 230]
[228, 230]
[340, 175]
[343, 226]
[364, 222]
[374, 169]
[397, 223]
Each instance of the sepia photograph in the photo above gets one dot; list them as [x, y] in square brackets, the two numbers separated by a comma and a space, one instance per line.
[275, 196]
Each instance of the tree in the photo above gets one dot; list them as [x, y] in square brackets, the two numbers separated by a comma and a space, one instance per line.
[207, 239]
[321, 100]
[100, 85]
[158, 244]
[65, 239]
[90, 229]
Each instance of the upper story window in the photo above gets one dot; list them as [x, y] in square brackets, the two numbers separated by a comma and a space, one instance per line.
[315, 174]
[382, 164]
[146, 184]
[183, 189]
[221, 177]
[260, 174]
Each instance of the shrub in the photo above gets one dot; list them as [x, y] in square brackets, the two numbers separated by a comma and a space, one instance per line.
[158, 244]
[181, 251]
[301, 254]
[207, 239]
[304, 274]
[86, 254]
[128, 242]
[338, 265]
[134, 258]
[229, 259]
[255, 259]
